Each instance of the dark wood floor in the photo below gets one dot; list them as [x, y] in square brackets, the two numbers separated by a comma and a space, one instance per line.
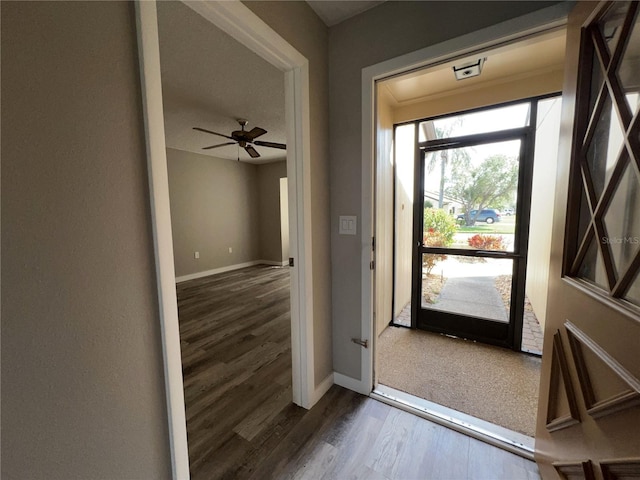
[241, 423]
[236, 362]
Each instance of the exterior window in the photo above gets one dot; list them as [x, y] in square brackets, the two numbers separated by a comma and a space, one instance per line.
[604, 218]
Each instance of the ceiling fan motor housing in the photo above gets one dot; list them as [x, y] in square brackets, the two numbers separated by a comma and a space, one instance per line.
[240, 136]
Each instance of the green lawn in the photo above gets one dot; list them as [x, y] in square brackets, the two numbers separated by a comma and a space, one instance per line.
[505, 225]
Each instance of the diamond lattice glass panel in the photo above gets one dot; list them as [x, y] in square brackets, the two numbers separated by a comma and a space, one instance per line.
[633, 293]
[611, 24]
[629, 69]
[622, 220]
[597, 81]
[585, 217]
[604, 147]
[592, 267]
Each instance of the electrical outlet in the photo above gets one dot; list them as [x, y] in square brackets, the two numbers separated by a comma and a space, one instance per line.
[196, 254]
[230, 250]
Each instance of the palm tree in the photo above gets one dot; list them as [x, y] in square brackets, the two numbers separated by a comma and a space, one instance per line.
[456, 155]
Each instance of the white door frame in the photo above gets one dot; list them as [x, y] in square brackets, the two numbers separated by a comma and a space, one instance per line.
[490, 37]
[242, 24]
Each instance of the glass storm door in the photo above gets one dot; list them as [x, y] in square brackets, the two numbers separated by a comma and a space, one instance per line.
[472, 203]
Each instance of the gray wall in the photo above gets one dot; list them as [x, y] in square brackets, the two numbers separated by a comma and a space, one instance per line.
[387, 31]
[82, 389]
[300, 26]
[82, 377]
[217, 204]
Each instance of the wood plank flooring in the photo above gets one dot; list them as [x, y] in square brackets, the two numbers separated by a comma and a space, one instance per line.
[241, 424]
[236, 362]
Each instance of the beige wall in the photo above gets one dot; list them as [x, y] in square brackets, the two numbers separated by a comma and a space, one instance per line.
[213, 208]
[284, 218]
[384, 212]
[217, 204]
[382, 33]
[300, 26]
[542, 203]
[82, 377]
[270, 238]
[404, 161]
[520, 88]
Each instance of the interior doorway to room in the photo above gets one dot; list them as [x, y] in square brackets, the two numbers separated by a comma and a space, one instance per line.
[228, 194]
[468, 188]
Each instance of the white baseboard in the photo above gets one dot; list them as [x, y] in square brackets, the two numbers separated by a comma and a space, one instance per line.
[228, 268]
[351, 383]
[275, 263]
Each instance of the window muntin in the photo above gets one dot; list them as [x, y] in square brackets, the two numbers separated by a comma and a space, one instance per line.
[604, 224]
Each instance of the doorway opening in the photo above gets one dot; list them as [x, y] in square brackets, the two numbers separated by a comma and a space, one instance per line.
[238, 21]
[463, 204]
[233, 283]
[471, 221]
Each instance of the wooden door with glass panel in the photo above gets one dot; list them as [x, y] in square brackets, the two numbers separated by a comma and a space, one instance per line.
[589, 408]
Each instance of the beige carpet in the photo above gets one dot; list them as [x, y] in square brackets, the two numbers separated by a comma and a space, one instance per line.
[491, 383]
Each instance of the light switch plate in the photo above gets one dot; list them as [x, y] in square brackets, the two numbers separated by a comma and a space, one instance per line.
[348, 225]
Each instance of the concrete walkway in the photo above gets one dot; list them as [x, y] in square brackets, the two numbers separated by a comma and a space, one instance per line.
[474, 296]
[469, 289]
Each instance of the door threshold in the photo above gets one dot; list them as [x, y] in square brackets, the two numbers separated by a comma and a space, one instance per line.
[509, 440]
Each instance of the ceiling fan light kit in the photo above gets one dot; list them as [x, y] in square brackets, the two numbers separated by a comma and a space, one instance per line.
[245, 139]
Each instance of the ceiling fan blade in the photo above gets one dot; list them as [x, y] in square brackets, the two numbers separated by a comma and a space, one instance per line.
[219, 145]
[214, 133]
[255, 132]
[252, 151]
[281, 146]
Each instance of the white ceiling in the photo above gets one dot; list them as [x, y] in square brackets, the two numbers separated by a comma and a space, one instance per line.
[540, 54]
[333, 12]
[209, 80]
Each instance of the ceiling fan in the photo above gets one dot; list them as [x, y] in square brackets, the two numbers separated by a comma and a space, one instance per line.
[244, 138]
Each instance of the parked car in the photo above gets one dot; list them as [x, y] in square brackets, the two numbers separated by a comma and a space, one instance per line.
[508, 212]
[488, 215]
